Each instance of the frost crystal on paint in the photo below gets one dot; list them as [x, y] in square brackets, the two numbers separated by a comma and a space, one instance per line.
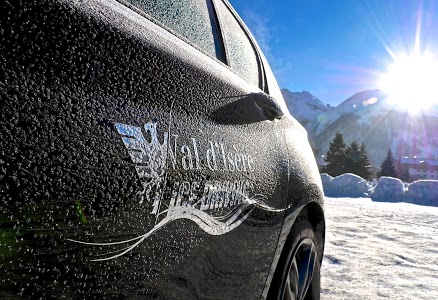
[189, 200]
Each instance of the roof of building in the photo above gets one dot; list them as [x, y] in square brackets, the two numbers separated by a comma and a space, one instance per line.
[417, 161]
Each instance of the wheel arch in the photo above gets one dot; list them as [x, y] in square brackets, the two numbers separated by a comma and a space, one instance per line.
[314, 213]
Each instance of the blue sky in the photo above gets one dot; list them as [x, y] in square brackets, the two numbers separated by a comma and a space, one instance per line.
[336, 48]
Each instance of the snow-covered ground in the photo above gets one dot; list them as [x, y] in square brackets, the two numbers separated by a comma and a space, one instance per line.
[378, 250]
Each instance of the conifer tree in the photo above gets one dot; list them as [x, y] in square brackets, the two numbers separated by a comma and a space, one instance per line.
[352, 153]
[335, 157]
[357, 160]
[387, 167]
[364, 163]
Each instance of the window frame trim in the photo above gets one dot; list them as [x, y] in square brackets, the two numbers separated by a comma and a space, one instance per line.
[262, 74]
[212, 12]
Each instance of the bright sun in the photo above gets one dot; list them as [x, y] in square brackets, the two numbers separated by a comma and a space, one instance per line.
[412, 81]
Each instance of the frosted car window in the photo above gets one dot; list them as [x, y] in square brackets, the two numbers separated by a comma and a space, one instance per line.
[241, 55]
[189, 18]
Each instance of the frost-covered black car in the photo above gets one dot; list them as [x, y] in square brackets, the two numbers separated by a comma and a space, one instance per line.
[147, 153]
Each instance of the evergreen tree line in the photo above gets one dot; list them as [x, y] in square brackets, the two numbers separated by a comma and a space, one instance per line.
[341, 159]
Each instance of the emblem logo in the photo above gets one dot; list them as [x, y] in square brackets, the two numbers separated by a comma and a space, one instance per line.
[195, 201]
[149, 158]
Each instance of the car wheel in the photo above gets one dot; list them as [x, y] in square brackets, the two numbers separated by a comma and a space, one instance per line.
[300, 278]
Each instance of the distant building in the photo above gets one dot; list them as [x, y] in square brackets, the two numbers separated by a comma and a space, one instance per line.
[420, 168]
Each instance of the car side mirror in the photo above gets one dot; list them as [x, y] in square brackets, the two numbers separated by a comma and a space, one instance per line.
[268, 106]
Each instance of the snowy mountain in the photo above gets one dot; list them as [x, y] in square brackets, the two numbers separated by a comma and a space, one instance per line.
[368, 117]
[305, 106]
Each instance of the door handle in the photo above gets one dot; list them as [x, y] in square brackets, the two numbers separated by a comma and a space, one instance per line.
[268, 106]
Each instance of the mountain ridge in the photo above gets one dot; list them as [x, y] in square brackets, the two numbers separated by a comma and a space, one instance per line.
[366, 117]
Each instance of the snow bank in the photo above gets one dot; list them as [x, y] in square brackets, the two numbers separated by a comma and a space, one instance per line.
[345, 185]
[387, 189]
[423, 192]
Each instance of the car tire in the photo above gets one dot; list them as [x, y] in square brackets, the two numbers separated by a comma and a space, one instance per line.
[299, 278]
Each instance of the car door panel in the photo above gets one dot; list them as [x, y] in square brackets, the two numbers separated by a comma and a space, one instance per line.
[134, 165]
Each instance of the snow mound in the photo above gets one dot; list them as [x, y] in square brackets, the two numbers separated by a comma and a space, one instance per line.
[326, 179]
[423, 192]
[345, 185]
[389, 189]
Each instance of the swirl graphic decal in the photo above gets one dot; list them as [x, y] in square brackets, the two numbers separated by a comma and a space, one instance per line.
[211, 225]
[191, 200]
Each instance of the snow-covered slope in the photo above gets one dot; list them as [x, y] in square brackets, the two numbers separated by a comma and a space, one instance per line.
[304, 106]
[367, 117]
[377, 250]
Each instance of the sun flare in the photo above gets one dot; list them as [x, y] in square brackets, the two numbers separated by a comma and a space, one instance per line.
[411, 81]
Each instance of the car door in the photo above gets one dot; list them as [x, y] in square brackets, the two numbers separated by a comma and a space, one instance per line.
[146, 159]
